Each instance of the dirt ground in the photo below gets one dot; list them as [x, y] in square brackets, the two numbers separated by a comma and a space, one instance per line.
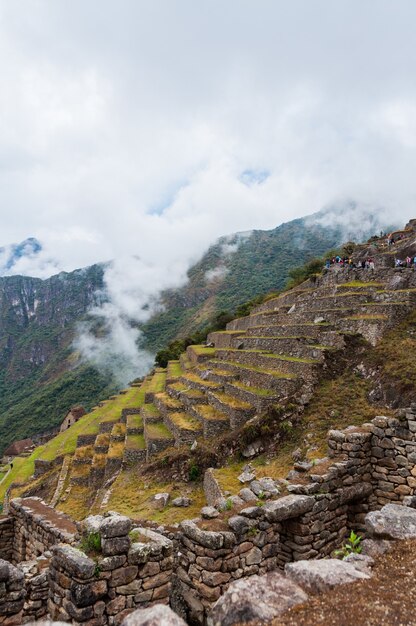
[387, 599]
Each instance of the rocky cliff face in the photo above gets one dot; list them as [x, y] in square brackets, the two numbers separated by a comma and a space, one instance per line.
[38, 317]
[40, 377]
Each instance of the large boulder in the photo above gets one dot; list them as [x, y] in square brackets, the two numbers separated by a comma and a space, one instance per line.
[323, 574]
[257, 598]
[392, 522]
[158, 615]
[287, 507]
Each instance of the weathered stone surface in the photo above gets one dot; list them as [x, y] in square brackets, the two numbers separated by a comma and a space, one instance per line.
[266, 486]
[212, 489]
[4, 570]
[257, 598]
[92, 523]
[115, 526]
[158, 615]
[160, 500]
[362, 562]
[392, 522]
[247, 495]
[76, 562]
[247, 475]
[209, 512]
[85, 595]
[182, 501]
[205, 538]
[287, 507]
[240, 524]
[320, 575]
[375, 547]
[359, 491]
[115, 545]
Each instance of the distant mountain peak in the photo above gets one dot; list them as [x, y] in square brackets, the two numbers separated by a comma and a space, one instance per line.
[12, 253]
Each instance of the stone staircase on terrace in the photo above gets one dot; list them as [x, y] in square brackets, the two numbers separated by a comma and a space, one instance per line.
[268, 357]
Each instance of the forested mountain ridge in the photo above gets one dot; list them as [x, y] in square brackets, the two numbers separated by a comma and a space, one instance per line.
[245, 265]
[40, 377]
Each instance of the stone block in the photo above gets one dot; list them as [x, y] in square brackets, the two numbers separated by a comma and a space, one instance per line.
[258, 599]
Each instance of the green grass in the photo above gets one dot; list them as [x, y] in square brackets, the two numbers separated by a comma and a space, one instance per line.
[118, 430]
[260, 370]
[65, 443]
[358, 284]
[135, 442]
[174, 369]
[258, 391]
[157, 382]
[366, 317]
[151, 410]
[203, 350]
[169, 402]
[116, 449]
[131, 495]
[231, 401]
[158, 431]
[197, 379]
[208, 412]
[185, 421]
[272, 355]
[134, 421]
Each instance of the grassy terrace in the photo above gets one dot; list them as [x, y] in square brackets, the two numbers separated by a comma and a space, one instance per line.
[134, 421]
[258, 391]
[169, 402]
[233, 402]
[203, 350]
[272, 355]
[357, 284]
[65, 443]
[197, 379]
[260, 370]
[84, 453]
[158, 431]
[157, 382]
[366, 317]
[174, 369]
[102, 440]
[185, 421]
[151, 410]
[116, 449]
[208, 412]
[135, 442]
[118, 430]
[99, 461]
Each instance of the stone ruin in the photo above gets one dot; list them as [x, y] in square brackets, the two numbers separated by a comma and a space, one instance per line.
[43, 571]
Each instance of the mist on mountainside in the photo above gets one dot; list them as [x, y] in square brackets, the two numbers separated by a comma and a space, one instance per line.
[148, 303]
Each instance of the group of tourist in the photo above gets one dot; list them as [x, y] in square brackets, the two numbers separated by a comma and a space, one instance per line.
[347, 262]
[407, 262]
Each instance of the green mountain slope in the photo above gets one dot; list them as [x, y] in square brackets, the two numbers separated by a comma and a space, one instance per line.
[241, 267]
[40, 377]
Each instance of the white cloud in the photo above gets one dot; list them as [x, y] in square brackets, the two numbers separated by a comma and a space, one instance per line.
[149, 129]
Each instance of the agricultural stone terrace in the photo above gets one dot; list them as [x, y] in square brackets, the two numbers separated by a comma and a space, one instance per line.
[192, 567]
[275, 355]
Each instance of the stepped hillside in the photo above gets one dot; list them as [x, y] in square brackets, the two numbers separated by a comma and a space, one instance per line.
[39, 376]
[331, 352]
[38, 317]
[243, 266]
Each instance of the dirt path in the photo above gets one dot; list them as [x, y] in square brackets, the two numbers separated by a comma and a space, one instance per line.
[387, 599]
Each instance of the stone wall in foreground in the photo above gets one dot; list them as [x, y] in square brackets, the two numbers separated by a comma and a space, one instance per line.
[367, 467]
[133, 570]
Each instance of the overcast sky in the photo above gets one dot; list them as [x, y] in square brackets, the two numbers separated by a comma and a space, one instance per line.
[152, 127]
